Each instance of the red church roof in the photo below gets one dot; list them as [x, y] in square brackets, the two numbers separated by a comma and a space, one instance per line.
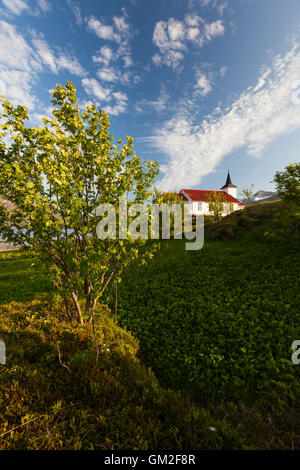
[201, 195]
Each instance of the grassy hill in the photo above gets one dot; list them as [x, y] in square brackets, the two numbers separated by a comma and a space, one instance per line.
[265, 220]
[203, 339]
[218, 324]
[54, 395]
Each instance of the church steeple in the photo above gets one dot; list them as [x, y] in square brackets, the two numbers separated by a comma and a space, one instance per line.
[228, 183]
[228, 187]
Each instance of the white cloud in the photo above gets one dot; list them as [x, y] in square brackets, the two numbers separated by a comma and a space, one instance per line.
[94, 88]
[15, 6]
[117, 100]
[120, 105]
[14, 50]
[115, 75]
[257, 117]
[70, 63]
[121, 25]
[157, 59]
[104, 55]
[203, 84]
[213, 30]
[115, 60]
[119, 31]
[20, 68]
[220, 5]
[108, 74]
[103, 31]
[223, 71]
[172, 37]
[205, 80]
[16, 86]
[76, 11]
[158, 105]
[262, 79]
[46, 54]
[128, 62]
[57, 60]
[44, 5]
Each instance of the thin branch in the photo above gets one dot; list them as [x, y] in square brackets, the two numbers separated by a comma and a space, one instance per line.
[23, 424]
[37, 417]
[95, 338]
[59, 357]
[116, 301]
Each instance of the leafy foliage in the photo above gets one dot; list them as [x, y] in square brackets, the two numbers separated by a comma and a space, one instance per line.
[288, 183]
[247, 192]
[216, 200]
[163, 197]
[56, 176]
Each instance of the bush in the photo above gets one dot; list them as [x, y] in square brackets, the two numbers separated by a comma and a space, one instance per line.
[246, 221]
[288, 183]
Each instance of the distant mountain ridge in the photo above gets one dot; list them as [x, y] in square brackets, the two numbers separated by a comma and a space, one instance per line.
[261, 196]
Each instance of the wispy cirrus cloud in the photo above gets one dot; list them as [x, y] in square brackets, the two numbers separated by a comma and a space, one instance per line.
[56, 59]
[205, 80]
[258, 116]
[115, 59]
[69, 62]
[94, 88]
[113, 74]
[158, 105]
[113, 102]
[104, 56]
[44, 5]
[120, 104]
[203, 84]
[21, 67]
[103, 31]
[76, 11]
[173, 36]
[119, 31]
[220, 5]
[18, 7]
[18, 68]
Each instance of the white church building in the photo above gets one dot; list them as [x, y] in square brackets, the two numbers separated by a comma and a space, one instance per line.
[198, 199]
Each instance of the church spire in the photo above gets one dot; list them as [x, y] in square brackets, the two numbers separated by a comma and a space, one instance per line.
[228, 183]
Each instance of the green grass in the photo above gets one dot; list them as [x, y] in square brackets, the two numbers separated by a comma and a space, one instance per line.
[78, 403]
[205, 316]
[19, 280]
[216, 325]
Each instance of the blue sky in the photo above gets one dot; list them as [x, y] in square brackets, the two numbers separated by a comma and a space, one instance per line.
[201, 85]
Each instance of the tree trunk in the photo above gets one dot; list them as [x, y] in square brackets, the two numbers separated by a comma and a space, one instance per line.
[92, 308]
[77, 308]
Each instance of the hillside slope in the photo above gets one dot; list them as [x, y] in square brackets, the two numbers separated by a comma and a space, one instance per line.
[265, 220]
[218, 323]
[54, 395]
